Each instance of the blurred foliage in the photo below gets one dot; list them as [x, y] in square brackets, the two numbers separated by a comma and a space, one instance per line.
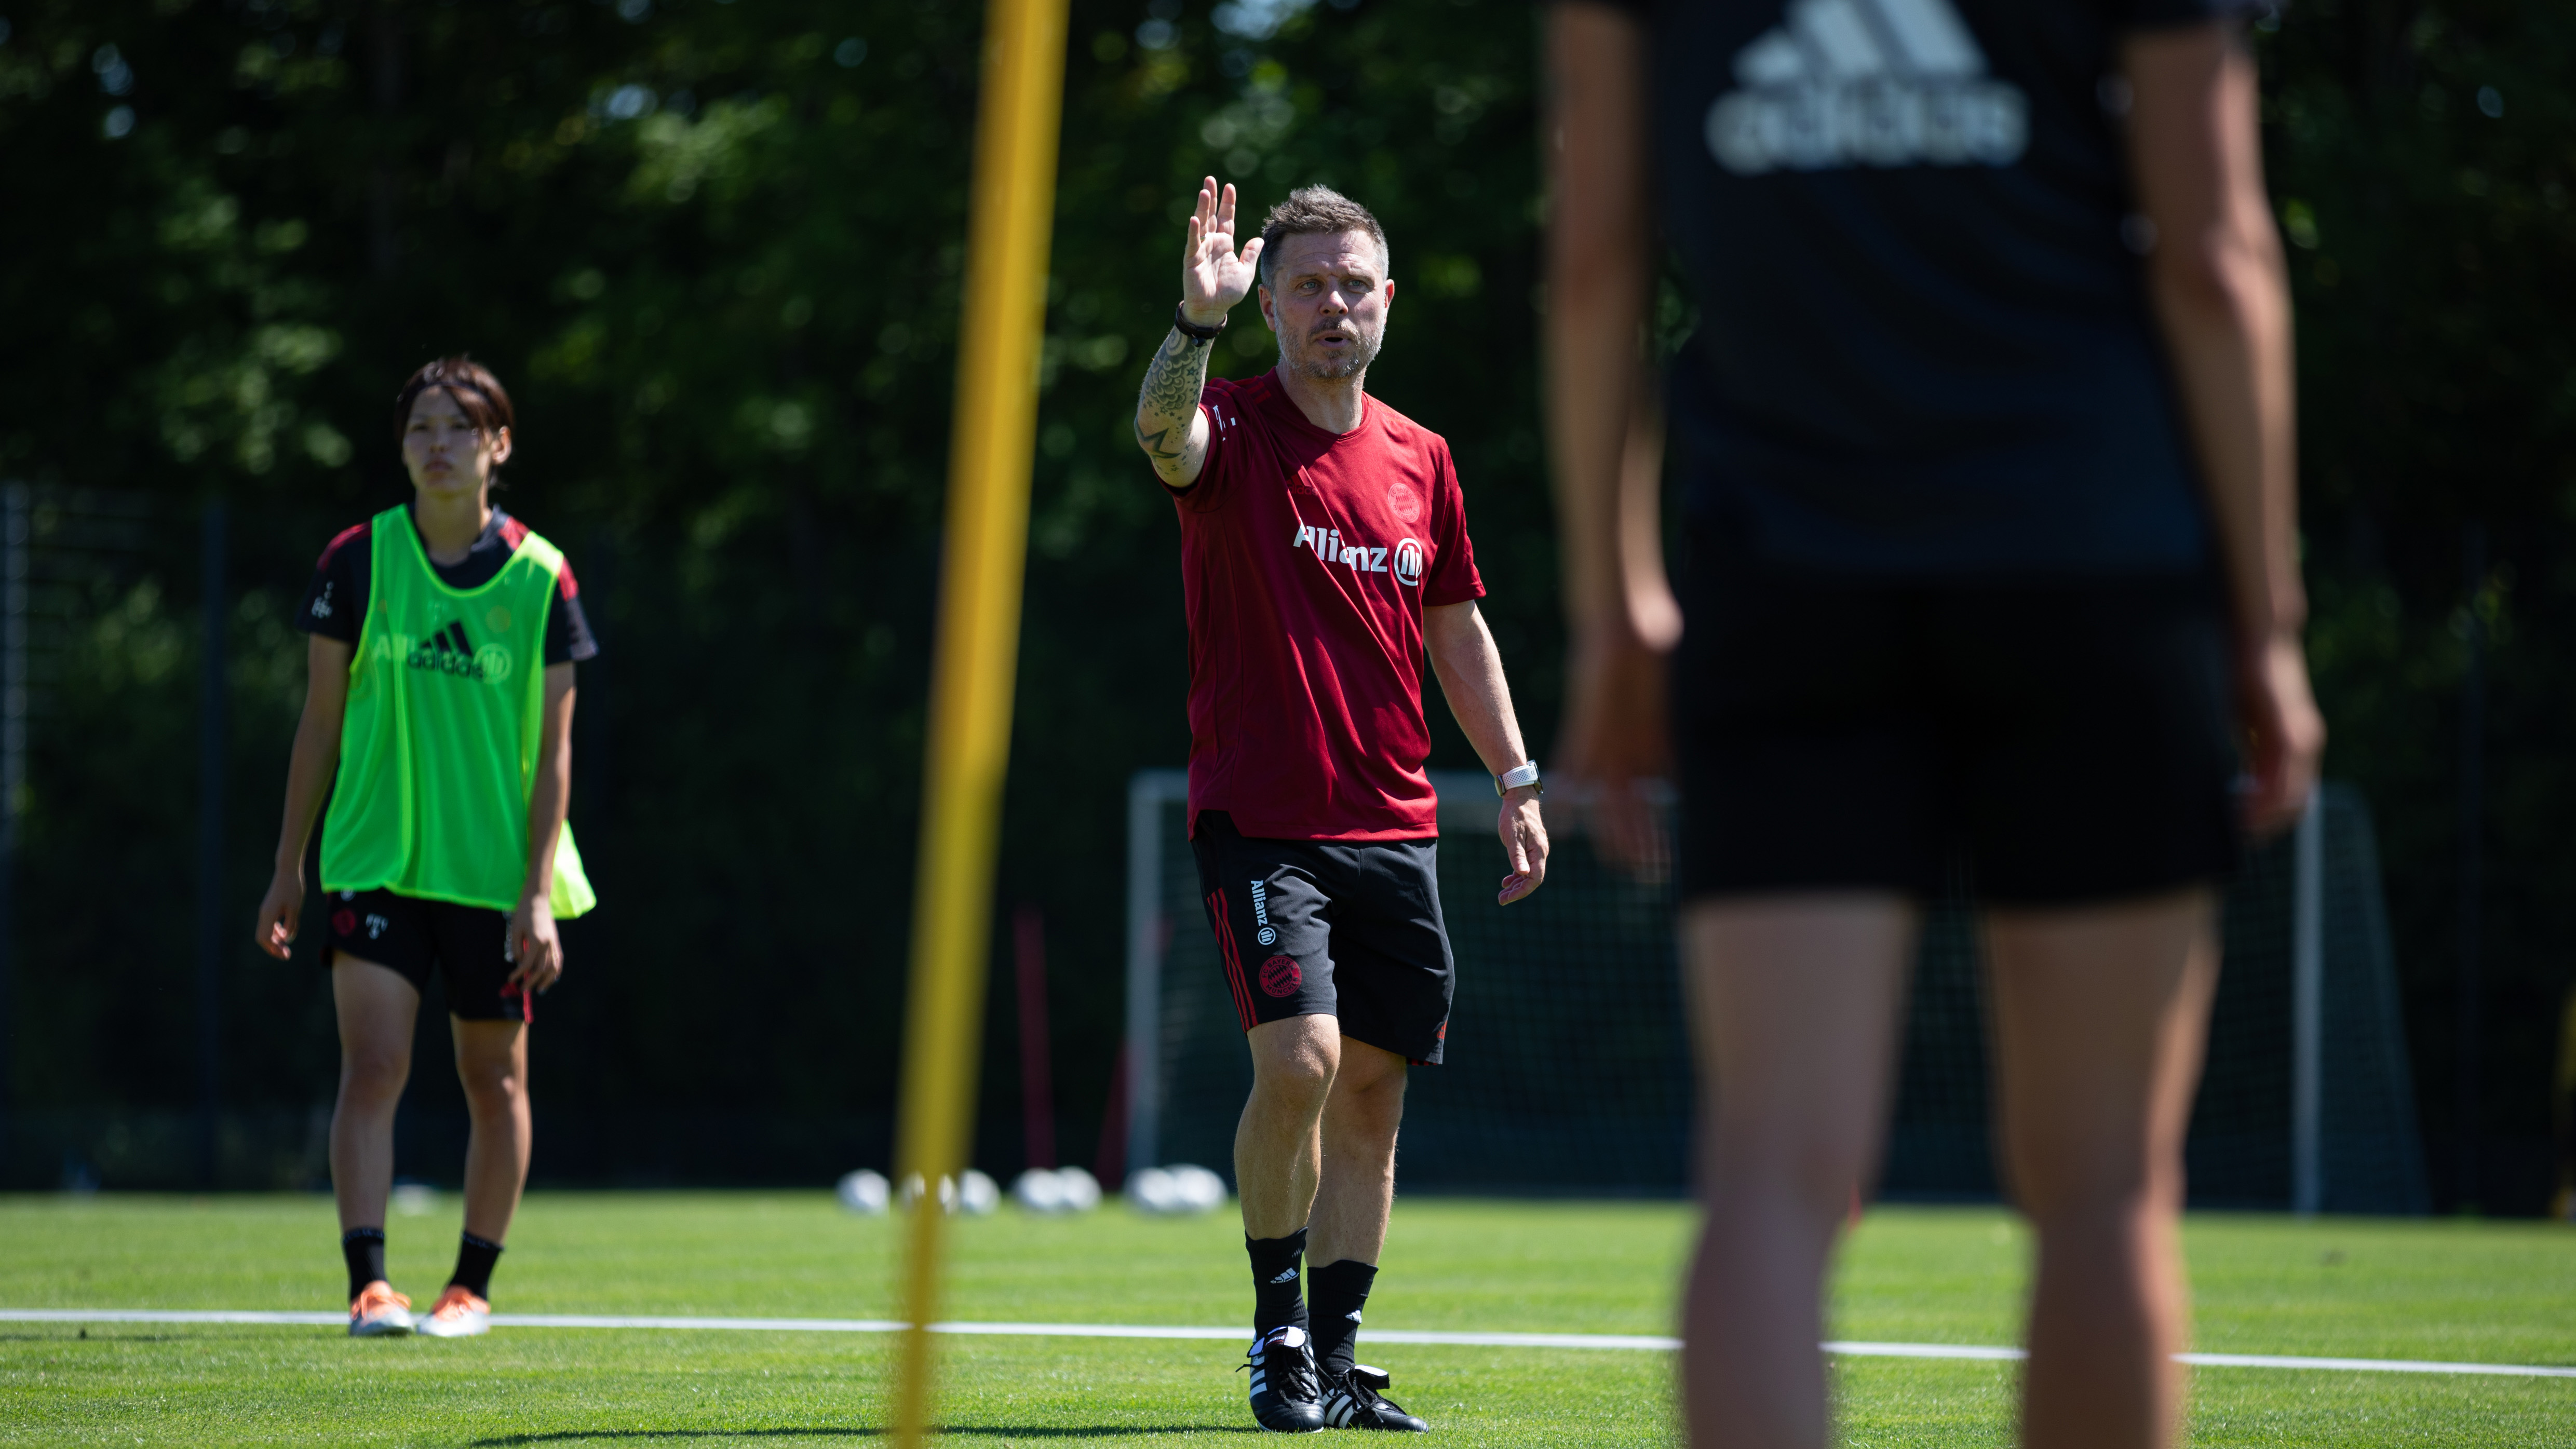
[2422, 157]
[713, 246]
[714, 250]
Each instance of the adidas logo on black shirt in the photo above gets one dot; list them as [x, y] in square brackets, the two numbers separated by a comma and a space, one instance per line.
[1845, 83]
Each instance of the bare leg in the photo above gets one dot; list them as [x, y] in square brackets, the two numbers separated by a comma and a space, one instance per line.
[492, 1062]
[1278, 1152]
[1793, 1015]
[1358, 1183]
[377, 1009]
[2099, 1021]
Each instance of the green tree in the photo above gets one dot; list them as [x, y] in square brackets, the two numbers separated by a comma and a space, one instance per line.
[2421, 156]
[713, 246]
[714, 249]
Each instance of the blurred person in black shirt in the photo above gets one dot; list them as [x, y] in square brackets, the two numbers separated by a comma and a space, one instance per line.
[1985, 451]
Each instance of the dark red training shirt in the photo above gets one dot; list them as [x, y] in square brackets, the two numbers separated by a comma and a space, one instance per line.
[1306, 561]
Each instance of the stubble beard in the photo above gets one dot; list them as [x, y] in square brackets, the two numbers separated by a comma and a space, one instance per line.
[1309, 363]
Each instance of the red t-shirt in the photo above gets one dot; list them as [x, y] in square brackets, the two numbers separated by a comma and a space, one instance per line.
[1306, 561]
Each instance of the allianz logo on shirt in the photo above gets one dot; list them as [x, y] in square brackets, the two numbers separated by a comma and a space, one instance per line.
[1405, 560]
[1866, 83]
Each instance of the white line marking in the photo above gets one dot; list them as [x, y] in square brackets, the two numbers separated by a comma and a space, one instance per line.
[1526, 1340]
[1093, 1330]
[2372, 1365]
[1627, 1341]
[754, 1325]
[152, 1315]
[1922, 1350]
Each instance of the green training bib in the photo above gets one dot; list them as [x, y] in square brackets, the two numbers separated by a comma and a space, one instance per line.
[438, 748]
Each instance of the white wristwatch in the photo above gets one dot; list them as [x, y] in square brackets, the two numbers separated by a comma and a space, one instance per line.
[1524, 773]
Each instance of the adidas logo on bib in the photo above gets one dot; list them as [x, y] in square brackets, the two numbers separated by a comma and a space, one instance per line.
[1866, 83]
[447, 651]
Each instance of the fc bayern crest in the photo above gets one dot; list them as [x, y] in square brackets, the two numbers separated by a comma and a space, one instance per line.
[1280, 975]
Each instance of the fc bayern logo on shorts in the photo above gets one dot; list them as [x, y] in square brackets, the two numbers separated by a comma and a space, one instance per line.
[1279, 975]
[1267, 936]
[345, 922]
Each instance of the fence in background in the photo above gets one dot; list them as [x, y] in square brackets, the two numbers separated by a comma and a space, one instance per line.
[1568, 1069]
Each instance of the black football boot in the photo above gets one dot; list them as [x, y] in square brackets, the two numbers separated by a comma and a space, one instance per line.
[1286, 1399]
[1353, 1402]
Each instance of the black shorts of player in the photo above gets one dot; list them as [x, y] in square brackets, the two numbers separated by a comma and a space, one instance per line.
[1319, 927]
[468, 945]
[2068, 742]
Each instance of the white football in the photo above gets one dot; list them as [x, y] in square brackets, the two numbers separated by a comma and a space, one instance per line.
[977, 1194]
[1039, 1190]
[909, 1194]
[863, 1192]
[1081, 1189]
[1196, 1189]
[1151, 1190]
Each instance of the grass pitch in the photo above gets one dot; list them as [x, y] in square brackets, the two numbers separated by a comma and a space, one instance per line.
[2423, 1290]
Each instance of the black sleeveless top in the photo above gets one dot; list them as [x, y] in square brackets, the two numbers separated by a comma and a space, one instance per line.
[1924, 346]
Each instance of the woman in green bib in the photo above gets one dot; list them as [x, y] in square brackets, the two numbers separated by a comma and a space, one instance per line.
[437, 724]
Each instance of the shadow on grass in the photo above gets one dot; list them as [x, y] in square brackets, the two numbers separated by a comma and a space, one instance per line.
[847, 1431]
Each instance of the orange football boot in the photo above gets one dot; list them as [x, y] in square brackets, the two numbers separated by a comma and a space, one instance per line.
[379, 1311]
[459, 1314]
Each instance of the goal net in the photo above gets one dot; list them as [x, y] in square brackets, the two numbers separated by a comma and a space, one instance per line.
[1568, 1068]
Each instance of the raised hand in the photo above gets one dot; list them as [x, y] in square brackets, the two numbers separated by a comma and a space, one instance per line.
[1213, 276]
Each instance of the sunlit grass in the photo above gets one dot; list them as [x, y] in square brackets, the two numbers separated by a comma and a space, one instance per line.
[2447, 1290]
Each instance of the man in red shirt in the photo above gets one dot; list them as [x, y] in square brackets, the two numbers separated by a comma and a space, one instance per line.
[1324, 553]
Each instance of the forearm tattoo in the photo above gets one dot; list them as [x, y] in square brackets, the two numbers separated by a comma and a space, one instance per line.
[1170, 396]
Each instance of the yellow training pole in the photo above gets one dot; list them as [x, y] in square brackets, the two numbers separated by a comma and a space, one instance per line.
[979, 635]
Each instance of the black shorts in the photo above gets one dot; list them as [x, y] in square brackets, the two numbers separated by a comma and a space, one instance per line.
[469, 945]
[1318, 927]
[2067, 743]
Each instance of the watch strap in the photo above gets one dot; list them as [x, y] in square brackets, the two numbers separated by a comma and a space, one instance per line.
[1187, 328]
[1524, 773]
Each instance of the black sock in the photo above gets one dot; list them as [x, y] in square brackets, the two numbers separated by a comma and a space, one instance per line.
[474, 1259]
[1276, 1295]
[364, 1248]
[1341, 1290]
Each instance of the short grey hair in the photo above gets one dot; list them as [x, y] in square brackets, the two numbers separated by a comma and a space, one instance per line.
[1316, 211]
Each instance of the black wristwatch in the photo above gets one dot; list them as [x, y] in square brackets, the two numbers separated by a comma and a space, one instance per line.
[1188, 328]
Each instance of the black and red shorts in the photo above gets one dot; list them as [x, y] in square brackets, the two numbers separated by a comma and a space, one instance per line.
[469, 945]
[1319, 927]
